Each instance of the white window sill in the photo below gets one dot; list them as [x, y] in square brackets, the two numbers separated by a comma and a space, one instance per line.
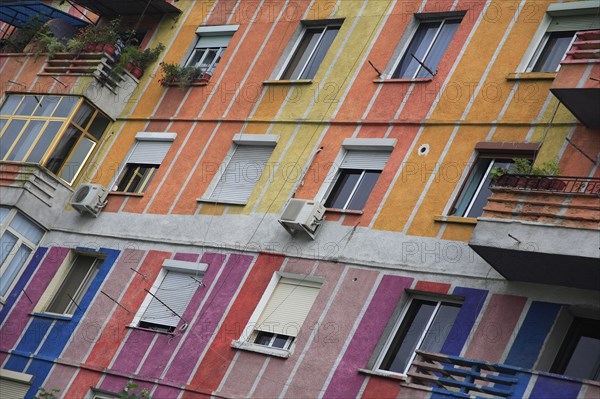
[134, 327]
[265, 350]
[125, 194]
[402, 80]
[531, 76]
[53, 316]
[383, 373]
[220, 202]
[288, 82]
[454, 219]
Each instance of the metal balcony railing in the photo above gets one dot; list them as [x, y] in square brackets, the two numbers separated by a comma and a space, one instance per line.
[562, 184]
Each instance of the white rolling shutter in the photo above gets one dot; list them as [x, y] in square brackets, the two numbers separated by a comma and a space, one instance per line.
[365, 160]
[574, 23]
[242, 173]
[176, 291]
[149, 152]
[14, 385]
[206, 41]
[288, 307]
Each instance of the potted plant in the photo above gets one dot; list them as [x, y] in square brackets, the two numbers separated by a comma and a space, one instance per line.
[522, 174]
[96, 39]
[183, 76]
[136, 61]
[44, 41]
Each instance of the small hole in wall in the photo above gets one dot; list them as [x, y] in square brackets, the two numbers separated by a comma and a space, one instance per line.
[355, 279]
[423, 150]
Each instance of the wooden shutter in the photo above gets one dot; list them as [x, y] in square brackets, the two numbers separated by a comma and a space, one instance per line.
[365, 160]
[288, 307]
[574, 23]
[242, 173]
[176, 291]
[149, 152]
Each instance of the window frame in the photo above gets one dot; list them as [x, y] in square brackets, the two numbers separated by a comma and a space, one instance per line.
[57, 283]
[66, 124]
[417, 21]
[567, 348]
[305, 25]
[257, 140]
[210, 31]
[195, 269]
[21, 240]
[396, 323]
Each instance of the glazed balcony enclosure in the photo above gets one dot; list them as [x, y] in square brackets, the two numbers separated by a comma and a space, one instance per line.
[542, 230]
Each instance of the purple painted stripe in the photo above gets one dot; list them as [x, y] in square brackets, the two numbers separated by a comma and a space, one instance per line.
[346, 382]
[18, 319]
[186, 257]
[474, 300]
[555, 388]
[137, 344]
[210, 315]
[164, 346]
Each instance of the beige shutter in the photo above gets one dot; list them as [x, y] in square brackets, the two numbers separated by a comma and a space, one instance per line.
[288, 307]
[14, 385]
[365, 160]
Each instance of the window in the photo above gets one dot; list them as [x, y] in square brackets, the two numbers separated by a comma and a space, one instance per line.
[579, 354]
[58, 132]
[210, 46]
[565, 20]
[310, 50]
[143, 161]
[357, 175]
[425, 325]
[19, 237]
[242, 168]
[82, 271]
[427, 46]
[170, 296]
[14, 384]
[280, 314]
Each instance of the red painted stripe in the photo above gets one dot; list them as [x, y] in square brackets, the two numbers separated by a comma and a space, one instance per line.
[430, 286]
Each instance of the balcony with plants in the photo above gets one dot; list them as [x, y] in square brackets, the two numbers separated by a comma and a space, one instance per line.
[531, 221]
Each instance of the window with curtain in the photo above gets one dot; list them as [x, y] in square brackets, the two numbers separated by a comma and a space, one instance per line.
[19, 238]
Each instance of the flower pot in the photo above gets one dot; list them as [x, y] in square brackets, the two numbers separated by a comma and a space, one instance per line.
[89, 48]
[110, 49]
[135, 70]
[99, 47]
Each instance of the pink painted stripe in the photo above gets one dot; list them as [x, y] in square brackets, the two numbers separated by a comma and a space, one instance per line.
[346, 381]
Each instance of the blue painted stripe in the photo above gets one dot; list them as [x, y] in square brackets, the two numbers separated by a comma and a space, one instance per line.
[521, 386]
[29, 342]
[532, 334]
[465, 320]
[22, 282]
[555, 388]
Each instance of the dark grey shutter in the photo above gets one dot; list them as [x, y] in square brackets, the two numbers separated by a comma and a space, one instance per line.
[242, 173]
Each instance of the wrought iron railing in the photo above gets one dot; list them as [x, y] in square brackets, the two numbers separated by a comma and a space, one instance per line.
[462, 378]
[563, 184]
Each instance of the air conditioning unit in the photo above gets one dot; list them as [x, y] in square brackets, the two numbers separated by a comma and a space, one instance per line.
[89, 198]
[302, 215]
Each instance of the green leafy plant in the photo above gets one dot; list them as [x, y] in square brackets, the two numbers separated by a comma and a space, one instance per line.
[48, 43]
[523, 166]
[44, 394]
[141, 58]
[183, 76]
[132, 391]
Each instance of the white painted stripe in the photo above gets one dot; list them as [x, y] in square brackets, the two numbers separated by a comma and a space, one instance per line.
[231, 366]
[70, 382]
[565, 144]
[168, 172]
[313, 333]
[361, 391]
[191, 174]
[233, 11]
[476, 324]
[515, 331]
[350, 336]
[540, 115]
[225, 314]
[259, 376]
[148, 350]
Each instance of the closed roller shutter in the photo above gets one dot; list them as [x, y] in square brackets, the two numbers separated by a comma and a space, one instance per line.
[365, 160]
[14, 385]
[242, 173]
[176, 291]
[149, 152]
[288, 307]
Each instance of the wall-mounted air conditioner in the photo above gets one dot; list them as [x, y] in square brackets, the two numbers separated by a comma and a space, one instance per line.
[302, 215]
[89, 198]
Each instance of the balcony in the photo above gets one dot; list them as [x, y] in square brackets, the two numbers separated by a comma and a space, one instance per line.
[455, 377]
[542, 230]
[112, 8]
[577, 84]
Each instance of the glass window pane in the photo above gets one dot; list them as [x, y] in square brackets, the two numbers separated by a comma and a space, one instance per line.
[320, 52]
[48, 103]
[29, 104]
[44, 142]
[302, 54]
[3, 123]
[10, 135]
[98, 126]
[408, 336]
[83, 116]
[585, 360]
[263, 338]
[439, 47]
[26, 140]
[364, 190]
[440, 327]
[7, 242]
[553, 52]
[64, 146]
[65, 107]
[74, 285]
[280, 341]
[78, 157]
[343, 188]
[27, 228]
[418, 46]
[481, 197]
[3, 214]
[11, 103]
[15, 266]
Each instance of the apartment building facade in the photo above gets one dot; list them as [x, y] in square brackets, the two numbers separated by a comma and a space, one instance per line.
[310, 214]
